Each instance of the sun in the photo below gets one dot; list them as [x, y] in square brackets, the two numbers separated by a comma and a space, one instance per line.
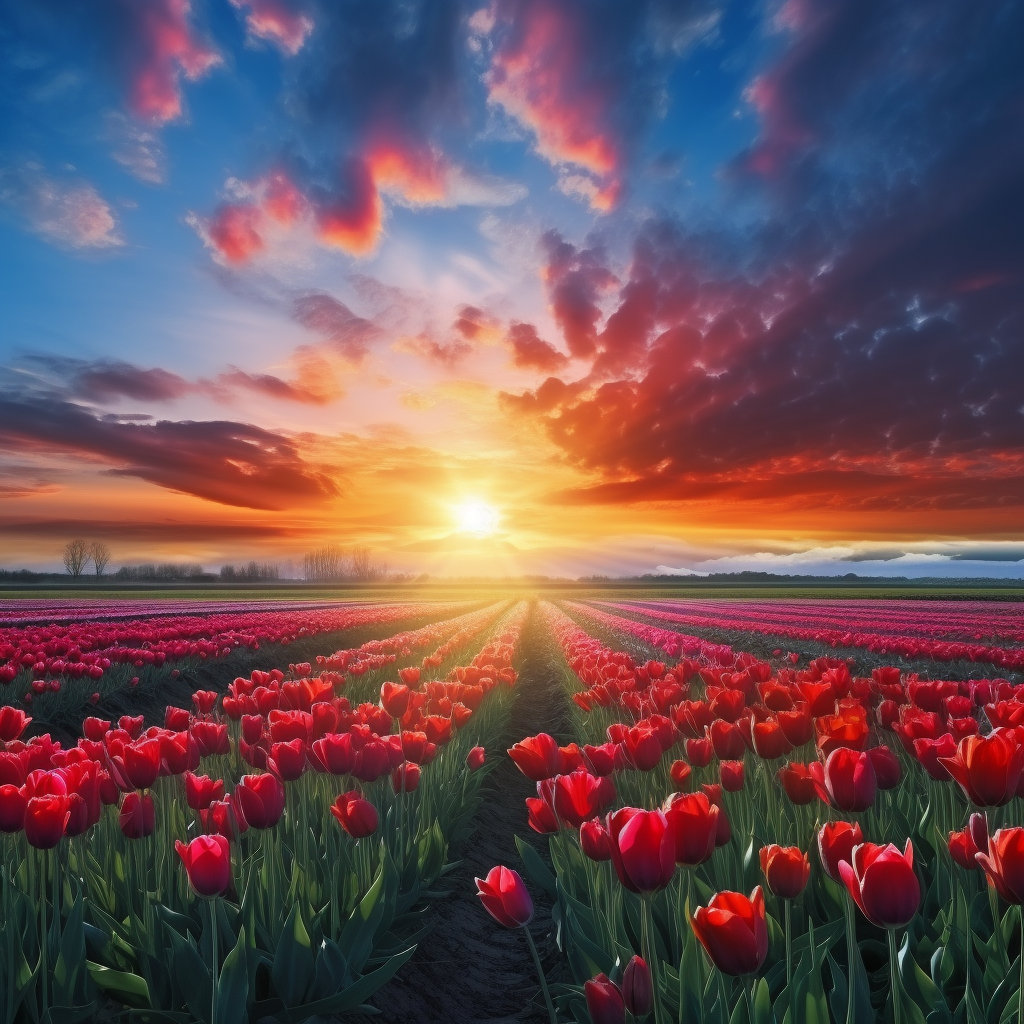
[477, 518]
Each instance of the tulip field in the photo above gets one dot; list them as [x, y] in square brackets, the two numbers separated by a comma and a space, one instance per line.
[771, 812]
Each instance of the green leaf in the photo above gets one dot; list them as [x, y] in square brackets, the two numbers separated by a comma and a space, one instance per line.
[192, 976]
[128, 987]
[762, 1004]
[293, 967]
[69, 975]
[536, 870]
[356, 939]
[233, 985]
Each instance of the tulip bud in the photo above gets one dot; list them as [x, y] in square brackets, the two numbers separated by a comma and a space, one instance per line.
[786, 870]
[505, 897]
[1003, 863]
[358, 817]
[638, 987]
[475, 759]
[836, 840]
[734, 932]
[883, 883]
[594, 840]
[604, 1001]
[207, 861]
[732, 774]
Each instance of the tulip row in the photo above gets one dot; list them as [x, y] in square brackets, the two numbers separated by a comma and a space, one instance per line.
[840, 804]
[949, 620]
[878, 642]
[88, 649]
[308, 900]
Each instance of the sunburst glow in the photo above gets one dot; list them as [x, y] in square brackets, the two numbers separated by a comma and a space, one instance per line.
[477, 518]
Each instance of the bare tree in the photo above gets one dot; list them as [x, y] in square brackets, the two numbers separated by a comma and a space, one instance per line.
[100, 554]
[324, 564]
[363, 566]
[76, 556]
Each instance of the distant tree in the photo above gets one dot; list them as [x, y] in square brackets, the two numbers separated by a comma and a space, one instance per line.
[364, 568]
[100, 554]
[76, 556]
[324, 564]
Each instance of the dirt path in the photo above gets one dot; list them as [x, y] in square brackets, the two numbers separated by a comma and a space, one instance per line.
[469, 969]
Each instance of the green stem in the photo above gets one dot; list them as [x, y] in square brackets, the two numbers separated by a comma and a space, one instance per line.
[1020, 994]
[213, 965]
[748, 984]
[789, 946]
[894, 973]
[851, 952]
[44, 972]
[540, 974]
[650, 949]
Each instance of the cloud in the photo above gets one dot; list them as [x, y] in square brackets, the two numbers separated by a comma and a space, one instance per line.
[157, 45]
[531, 352]
[349, 334]
[229, 463]
[316, 386]
[443, 353]
[68, 213]
[276, 22]
[102, 381]
[138, 149]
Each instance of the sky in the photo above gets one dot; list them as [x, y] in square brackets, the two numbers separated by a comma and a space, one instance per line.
[537, 286]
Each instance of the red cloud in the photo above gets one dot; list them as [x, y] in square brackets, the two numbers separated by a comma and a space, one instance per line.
[234, 231]
[161, 47]
[538, 75]
[353, 222]
[276, 22]
[531, 352]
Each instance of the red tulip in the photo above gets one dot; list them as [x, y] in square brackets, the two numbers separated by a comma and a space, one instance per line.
[138, 816]
[595, 841]
[207, 861]
[211, 737]
[252, 728]
[579, 796]
[798, 783]
[505, 897]
[541, 809]
[642, 847]
[12, 808]
[13, 722]
[406, 777]
[836, 840]
[643, 747]
[848, 729]
[888, 770]
[289, 759]
[259, 800]
[95, 728]
[475, 759]
[933, 753]
[733, 931]
[680, 773]
[141, 761]
[1003, 862]
[769, 739]
[604, 1001]
[732, 775]
[713, 792]
[797, 725]
[693, 822]
[987, 768]
[373, 761]
[221, 818]
[45, 818]
[847, 780]
[786, 870]
[177, 719]
[638, 987]
[537, 757]
[201, 791]
[726, 739]
[394, 698]
[883, 883]
[335, 752]
[699, 752]
[357, 816]
[964, 846]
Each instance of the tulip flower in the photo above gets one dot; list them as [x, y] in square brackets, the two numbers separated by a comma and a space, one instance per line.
[475, 759]
[335, 752]
[964, 846]
[201, 791]
[357, 816]
[406, 777]
[726, 740]
[798, 783]
[836, 840]
[713, 792]
[769, 739]
[883, 883]
[733, 931]
[680, 773]
[138, 816]
[579, 796]
[638, 987]
[888, 770]
[605, 1003]
[13, 722]
[207, 861]
[642, 848]
[537, 757]
[394, 698]
[222, 818]
[45, 818]
[731, 774]
[259, 800]
[693, 822]
[12, 808]
[541, 809]
[699, 752]
[595, 841]
[847, 780]
[1003, 863]
[987, 768]
[211, 737]
[505, 897]
[786, 870]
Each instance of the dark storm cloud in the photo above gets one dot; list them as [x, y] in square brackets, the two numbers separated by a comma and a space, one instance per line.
[862, 344]
[230, 463]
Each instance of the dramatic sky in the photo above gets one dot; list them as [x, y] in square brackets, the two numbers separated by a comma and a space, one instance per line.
[700, 284]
